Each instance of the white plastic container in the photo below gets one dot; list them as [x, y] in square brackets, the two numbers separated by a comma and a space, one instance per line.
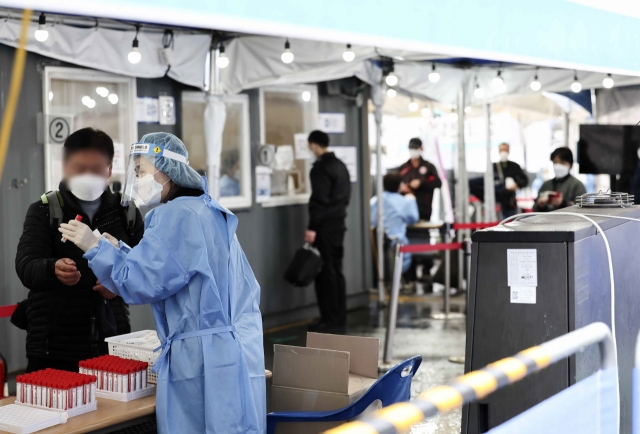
[26, 419]
[129, 347]
[129, 396]
[72, 412]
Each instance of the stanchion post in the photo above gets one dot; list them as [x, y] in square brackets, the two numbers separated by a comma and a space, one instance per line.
[447, 271]
[393, 308]
[447, 282]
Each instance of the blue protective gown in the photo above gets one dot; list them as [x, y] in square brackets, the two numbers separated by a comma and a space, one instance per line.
[191, 268]
[398, 213]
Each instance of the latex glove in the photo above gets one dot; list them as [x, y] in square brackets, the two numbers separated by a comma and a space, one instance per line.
[113, 240]
[79, 234]
[510, 184]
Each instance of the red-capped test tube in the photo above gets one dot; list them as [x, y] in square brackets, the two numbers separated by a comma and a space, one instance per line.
[78, 218]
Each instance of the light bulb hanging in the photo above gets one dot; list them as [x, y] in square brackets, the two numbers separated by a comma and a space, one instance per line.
[413, 106]
[576, 86]
[42, 34]
[478, 92]
[434, 77]
[608, 82]
[287, 55]
[134, 55]
[391, 93]
[348, 54]
[425, 112]
[222, 61]
[498, 83]
[535, 84]
[306, 96]
[391, 79]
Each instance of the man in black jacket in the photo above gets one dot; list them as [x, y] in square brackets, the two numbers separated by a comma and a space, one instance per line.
[69, 313]
[420, 178]
[511, 177]
[330, 192]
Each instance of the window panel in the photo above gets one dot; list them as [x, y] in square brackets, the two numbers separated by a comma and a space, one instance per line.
[84, 98]
[235, 158]
[287, 111]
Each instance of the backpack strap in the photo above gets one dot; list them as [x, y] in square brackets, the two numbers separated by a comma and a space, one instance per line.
[130, 212]
[53, 199]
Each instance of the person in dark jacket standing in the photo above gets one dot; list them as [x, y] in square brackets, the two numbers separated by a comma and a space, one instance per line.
[511, 177]
[69, 313]
[330, 192]
[420, 178]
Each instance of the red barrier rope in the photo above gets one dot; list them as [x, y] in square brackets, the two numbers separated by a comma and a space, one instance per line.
[475, 225]
[418, 248]
[7, 310]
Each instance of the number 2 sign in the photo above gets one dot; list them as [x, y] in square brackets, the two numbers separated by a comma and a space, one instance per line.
[59, 129]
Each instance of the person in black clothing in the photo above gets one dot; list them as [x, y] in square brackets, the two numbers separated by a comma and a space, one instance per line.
[511, 177]
[330, 192]
[420, 178]
[68, 312]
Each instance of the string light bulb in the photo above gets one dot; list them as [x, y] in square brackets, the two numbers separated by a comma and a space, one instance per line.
[467, 109]
[348, 54]
[42, 34]
[413, 106]
[391, 93]
[478, 92]
[391, 79]
[134, 55]
[535, 84]
[498, 83]
[287, 55]
[113, 98]
[425, 112]
[608, 82]
[576, 86]
[434, 76]
[222, 61]
[306, 96]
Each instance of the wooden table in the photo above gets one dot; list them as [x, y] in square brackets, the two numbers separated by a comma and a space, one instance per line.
[109, 413]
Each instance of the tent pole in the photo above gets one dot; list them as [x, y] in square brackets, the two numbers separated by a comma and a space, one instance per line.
[214, 72]
[462, 186]
[380, 207]
[489, 190]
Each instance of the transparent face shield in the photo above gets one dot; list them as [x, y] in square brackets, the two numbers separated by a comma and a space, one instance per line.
[142, 183]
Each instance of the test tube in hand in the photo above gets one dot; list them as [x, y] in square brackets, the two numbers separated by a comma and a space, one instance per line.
[78, 218]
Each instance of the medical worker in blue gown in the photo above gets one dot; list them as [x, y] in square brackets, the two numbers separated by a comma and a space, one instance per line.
[205, 298]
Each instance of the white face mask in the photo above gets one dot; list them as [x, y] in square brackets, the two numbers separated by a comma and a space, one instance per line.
[504, 156]
[560, 170]
[149, 190]
[87, 187]
[415, 153]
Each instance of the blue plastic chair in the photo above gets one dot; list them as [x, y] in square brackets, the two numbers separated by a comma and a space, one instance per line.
[392, 387]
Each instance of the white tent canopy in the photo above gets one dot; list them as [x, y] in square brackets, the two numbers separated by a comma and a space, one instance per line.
[255, 61]
[551, 33]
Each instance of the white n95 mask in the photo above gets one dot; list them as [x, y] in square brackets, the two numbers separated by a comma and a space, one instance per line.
[415, 153]
[149, 190]
[504, 156]
[88, 187]
[560, 170]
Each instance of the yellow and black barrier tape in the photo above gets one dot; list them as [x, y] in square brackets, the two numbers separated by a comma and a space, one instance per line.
[470, 387]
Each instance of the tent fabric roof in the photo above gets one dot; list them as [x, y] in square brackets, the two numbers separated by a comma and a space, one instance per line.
[255, 61]
[551, 33]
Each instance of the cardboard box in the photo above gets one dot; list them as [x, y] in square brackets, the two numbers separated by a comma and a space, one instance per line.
[331, 372]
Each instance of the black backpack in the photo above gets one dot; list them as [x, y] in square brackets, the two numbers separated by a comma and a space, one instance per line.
[56, 202]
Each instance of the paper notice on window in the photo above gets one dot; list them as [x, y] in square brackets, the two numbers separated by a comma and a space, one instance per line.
[301, 146]
[119, 156]
[522, 267]
[263, 184]
[523, 294]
